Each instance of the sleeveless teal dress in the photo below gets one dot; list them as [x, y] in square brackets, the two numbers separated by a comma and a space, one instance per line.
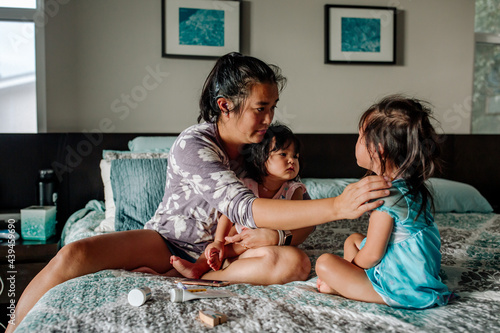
[408, 274]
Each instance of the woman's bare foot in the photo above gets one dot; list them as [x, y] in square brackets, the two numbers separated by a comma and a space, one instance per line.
[186, 268]
[324, 288]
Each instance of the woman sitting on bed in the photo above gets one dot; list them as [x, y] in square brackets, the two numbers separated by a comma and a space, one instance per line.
[237, 104]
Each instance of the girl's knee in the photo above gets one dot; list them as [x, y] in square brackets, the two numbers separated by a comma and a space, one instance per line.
[325, 263]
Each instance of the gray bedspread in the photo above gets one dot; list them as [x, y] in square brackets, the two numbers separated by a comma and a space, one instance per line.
[98, 302]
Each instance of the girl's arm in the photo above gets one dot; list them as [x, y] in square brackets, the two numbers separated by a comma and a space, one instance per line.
[223, 227]
[379, 233]
[217, 246]
[295, 214]
[300, 235]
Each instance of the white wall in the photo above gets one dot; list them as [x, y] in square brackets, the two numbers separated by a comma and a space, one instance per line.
[100, 52]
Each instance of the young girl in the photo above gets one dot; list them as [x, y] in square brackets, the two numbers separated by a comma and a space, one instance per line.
[272, 171]
[398, 262]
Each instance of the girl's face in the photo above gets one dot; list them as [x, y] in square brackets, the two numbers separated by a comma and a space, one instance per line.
[283, 164]
[250, 125]
[365, 158]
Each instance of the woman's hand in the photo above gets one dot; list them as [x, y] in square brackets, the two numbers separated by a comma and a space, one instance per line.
[360, 197]
[254, 238]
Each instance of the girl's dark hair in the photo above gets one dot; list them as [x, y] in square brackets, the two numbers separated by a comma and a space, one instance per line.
[232, 77]
[256, 154]
[402, 127]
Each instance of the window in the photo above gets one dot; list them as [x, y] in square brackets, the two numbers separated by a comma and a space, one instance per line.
[22, 79]
[486, 96]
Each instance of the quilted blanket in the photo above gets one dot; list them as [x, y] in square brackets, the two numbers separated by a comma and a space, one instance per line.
[98, 302]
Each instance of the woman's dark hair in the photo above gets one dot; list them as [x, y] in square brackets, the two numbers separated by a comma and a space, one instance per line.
[232, 78]
[256, 154]
[402, 127]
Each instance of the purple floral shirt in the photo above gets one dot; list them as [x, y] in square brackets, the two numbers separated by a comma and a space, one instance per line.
[201, 182]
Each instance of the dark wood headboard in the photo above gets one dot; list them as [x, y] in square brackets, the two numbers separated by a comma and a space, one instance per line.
[472, 159]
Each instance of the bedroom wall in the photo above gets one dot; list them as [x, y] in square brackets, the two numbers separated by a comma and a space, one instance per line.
[101, 55]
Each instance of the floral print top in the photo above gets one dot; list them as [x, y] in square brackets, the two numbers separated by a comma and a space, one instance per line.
[201, 182]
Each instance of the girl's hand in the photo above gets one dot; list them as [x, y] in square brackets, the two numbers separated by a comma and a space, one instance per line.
[254, 238]
[359, 197]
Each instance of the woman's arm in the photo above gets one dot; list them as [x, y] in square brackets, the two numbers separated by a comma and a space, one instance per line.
[295, 214]
[300, 235]
[379, 233]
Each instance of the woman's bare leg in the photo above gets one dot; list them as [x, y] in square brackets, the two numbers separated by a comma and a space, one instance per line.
[265, 266]
[120, 250]
[346, 279]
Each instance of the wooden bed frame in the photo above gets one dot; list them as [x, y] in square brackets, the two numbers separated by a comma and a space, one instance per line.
[472, 159]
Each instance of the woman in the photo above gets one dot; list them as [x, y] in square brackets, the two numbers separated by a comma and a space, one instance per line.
[237, 103]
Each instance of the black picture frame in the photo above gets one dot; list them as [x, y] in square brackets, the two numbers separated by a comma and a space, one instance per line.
[360, 34]
[220, 33]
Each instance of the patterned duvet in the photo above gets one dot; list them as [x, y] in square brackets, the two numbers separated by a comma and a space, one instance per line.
[98, 302]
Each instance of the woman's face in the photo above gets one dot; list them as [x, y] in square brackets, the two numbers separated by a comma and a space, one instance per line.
[257, 112]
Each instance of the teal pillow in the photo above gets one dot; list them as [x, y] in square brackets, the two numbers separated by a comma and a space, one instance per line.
[138, 187]
[449, 196]
[452, 196]
[151, 143]
[321, 188]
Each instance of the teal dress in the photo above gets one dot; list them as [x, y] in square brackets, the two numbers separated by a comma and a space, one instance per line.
[408, 274]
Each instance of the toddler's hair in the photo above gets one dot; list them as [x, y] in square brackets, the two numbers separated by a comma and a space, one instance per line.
[256, 154]
[401, 126]
[233, 77]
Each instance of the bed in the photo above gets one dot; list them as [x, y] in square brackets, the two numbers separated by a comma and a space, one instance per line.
[470, 233]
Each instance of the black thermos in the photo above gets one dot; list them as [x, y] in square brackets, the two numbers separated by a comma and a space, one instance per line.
[47, 191]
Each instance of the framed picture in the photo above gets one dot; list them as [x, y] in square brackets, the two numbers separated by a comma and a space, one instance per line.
[360, 34]
[200, 28]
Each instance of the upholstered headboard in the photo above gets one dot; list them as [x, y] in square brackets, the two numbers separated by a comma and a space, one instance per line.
[472, 159]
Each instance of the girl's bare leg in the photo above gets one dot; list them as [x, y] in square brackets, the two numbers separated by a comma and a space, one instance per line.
[265, 266]
[192, 270]
[203, 265]
[346, 279]
[121, 250]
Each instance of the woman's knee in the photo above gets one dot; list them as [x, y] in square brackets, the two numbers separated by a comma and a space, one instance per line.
[294, 264]
[71, 258]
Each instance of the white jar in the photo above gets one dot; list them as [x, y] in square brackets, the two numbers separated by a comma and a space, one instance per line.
[139, 296]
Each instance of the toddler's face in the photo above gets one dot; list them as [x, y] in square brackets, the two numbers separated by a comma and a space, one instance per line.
[283, 164]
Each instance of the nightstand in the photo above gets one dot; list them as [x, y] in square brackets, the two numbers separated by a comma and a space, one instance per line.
[18, 269]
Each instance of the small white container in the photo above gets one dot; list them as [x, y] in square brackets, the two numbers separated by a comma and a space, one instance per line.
[139, 296]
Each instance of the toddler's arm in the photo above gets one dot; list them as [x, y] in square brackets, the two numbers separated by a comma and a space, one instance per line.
[379, 233]
[223, 227]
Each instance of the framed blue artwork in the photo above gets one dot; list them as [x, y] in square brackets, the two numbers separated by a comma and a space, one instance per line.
[200, 28]
[360, 34]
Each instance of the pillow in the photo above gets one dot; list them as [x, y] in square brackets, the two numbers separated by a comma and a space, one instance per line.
[108, 224]
[449, 196]
[138, 187]
[151, 143]
[321, 188]
[452, 196]
[110, 155]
